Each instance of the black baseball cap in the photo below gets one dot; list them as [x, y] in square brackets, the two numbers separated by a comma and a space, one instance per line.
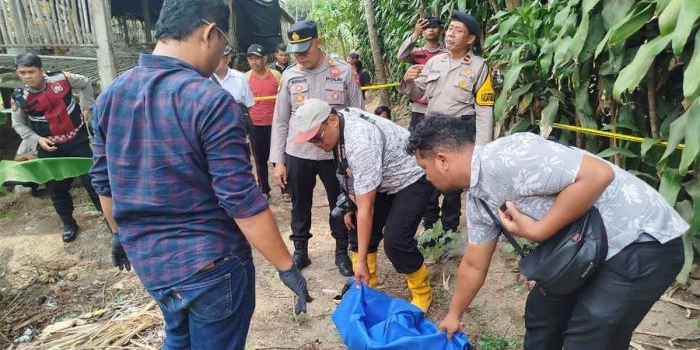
[255, 49]
[300, 35]
[468, 20]
[433, 22]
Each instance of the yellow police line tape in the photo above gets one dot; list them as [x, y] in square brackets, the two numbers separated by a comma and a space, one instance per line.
[578, 129]
[608, 134]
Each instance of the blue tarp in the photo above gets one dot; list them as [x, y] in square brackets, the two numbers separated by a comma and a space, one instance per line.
[370, 320]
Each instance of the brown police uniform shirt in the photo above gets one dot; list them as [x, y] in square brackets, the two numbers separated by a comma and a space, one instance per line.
[407, 52]
[457, 88]
[332, 82]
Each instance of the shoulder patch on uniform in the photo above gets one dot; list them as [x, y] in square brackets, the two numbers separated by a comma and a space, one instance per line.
[486, 96]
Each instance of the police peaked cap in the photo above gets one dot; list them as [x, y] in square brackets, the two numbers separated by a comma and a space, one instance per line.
[300, 35]
[468, 20]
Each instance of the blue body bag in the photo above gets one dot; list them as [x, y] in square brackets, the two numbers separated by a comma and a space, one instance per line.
[370, 320]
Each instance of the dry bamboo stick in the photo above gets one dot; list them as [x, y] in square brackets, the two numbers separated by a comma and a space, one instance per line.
[86, 22]
[81, 23]
[52, 25]
[53, 13]
[74, 22]
[40, 21]
[23, 34]
[62, 23]
[3, 25]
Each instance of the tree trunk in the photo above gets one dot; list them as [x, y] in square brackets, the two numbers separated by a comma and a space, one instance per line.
[651, 98]
[376, 51]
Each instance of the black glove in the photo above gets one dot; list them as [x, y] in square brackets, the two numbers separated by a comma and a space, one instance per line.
[295, 281]
[119, 258]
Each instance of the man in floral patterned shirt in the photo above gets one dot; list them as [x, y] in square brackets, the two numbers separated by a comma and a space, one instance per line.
[545, 186]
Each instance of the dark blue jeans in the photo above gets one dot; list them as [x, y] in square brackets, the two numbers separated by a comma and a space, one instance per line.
[212, 310]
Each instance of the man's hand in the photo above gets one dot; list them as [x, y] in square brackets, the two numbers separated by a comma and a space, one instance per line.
[515, 222]
[295, 281]
[87, 116]
[13, 106]
[449, 324]
[47, 145]
[349, 220]
[419, 28]
[281, 175]
[119, 258]
[412, 73]
[25, 157]
[361, 272]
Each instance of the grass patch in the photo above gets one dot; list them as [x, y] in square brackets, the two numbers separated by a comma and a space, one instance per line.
[492, 341]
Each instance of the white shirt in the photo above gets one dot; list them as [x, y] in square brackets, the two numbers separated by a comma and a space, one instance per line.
[531, 171]
[237, 85]
[363, 151]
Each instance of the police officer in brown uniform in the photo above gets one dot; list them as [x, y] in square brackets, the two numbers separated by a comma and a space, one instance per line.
[315, 75]
[430, 28]
[456, 83]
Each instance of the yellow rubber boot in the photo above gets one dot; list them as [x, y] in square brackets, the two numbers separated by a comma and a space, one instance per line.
[419, 285]
[371, 266]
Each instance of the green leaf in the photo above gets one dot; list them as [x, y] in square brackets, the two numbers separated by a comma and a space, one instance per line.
[615, 10]
[549, 114]
[588, 5]
[670, 185]
[631, 75]
[617, 150]
[580, 37]
[669, 16]
[691, 76]
[525, 102]
[692, 137]
[686, 20]
[638, 17]
[648, 144]
[693, 189]
[676, 135]
[43, 170]
[521, 126]
[683, 275]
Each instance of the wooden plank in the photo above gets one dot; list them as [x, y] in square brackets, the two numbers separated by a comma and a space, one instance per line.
[55, 20]
[3, 24]
[147, 23]
[19, 23]
[86, 22]
[75, 22]
[100, 15]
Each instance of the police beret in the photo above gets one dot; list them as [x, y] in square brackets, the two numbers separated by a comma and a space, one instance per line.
[433, 22]
[471, 22]
[300, 35]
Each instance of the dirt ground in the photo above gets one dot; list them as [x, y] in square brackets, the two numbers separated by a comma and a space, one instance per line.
[44, 281]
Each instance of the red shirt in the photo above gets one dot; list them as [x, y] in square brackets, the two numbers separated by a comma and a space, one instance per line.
[266, 85]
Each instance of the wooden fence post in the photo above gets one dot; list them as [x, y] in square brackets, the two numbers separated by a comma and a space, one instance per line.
[101, 14]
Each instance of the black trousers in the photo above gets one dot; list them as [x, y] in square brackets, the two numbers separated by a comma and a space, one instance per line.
[260, 146]
[415, 119]
[396, 219]
[451, 210]
[605, 311]
[59, 190]
[301, 180]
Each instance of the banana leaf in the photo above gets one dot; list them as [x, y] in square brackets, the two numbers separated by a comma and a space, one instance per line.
[42, 170]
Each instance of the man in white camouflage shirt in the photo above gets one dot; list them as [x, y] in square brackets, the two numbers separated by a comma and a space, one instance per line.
[389, 189]
[545, 186]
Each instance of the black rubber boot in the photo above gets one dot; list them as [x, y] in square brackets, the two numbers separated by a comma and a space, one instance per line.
[70, 230]
[301, 254]
[342, 261]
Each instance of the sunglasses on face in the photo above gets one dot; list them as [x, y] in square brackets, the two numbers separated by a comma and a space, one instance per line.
[319, 137]
[228, 43]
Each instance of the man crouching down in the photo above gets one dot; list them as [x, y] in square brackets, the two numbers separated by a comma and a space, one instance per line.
[389, 189]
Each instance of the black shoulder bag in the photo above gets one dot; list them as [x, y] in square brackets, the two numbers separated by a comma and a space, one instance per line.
[564, 262]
